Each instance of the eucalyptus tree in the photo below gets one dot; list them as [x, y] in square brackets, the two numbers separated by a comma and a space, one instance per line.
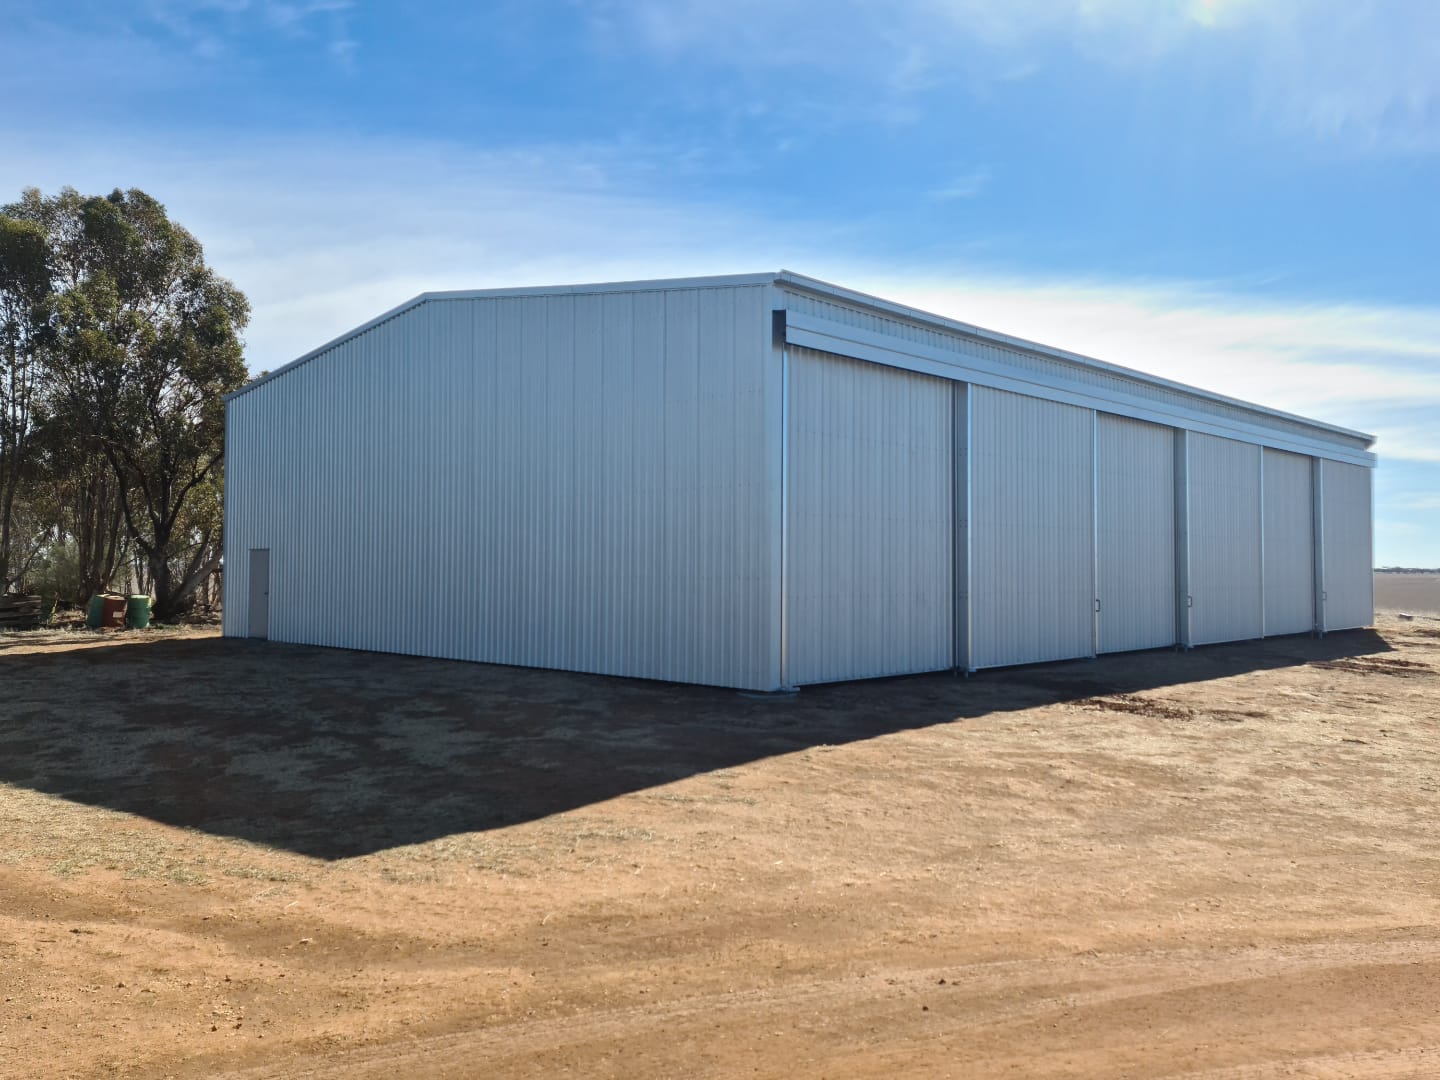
[147, 345]
[25, 292]
[73, 490]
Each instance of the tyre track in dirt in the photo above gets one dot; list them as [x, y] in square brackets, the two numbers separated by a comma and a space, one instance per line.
[1128, 979]
[1404, 1063]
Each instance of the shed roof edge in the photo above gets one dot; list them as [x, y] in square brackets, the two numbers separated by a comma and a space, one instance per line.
[979, 333]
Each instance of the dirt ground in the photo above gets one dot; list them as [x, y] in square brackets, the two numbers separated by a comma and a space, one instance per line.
[234, 859]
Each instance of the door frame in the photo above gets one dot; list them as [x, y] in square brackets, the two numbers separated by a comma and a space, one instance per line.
[259, 607]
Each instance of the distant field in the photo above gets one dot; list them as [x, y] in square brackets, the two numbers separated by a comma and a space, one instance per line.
[1418, 594]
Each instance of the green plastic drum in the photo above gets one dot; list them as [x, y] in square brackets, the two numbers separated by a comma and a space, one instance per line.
[95, 613]
[137, 612]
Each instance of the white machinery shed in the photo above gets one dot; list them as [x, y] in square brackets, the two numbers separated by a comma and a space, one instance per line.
[764, 481]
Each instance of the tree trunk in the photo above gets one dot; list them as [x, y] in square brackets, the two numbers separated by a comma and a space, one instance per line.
[172, 598]
[167, 604]
[96, 526]
[5, 515]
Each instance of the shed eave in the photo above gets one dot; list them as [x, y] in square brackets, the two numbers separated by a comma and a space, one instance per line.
[716, 281]
[979, 333]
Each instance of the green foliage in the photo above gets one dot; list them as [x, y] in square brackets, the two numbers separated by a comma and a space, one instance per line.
[25, 274]
[26, 279]
[141, 341]
[56, 572]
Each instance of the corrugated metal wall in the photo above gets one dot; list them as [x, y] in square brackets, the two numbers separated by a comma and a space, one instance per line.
[870, 523]
[1289, 544]
[571, 481]
[1135, 529]
[1349, 568]
[1225, 522]
[1032, 550]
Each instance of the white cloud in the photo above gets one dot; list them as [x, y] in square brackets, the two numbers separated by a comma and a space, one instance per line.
[1372, 368]
[1367, 71]
[1418, 500]
[323, 235]
[1361, 73]
[967, 186]
[211, 28]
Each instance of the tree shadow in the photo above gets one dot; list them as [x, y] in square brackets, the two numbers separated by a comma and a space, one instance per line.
[334, 754]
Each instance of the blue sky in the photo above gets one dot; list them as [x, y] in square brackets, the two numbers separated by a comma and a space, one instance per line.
[1241, 194]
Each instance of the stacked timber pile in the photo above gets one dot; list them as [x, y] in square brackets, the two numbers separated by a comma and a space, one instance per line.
[19, 612]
